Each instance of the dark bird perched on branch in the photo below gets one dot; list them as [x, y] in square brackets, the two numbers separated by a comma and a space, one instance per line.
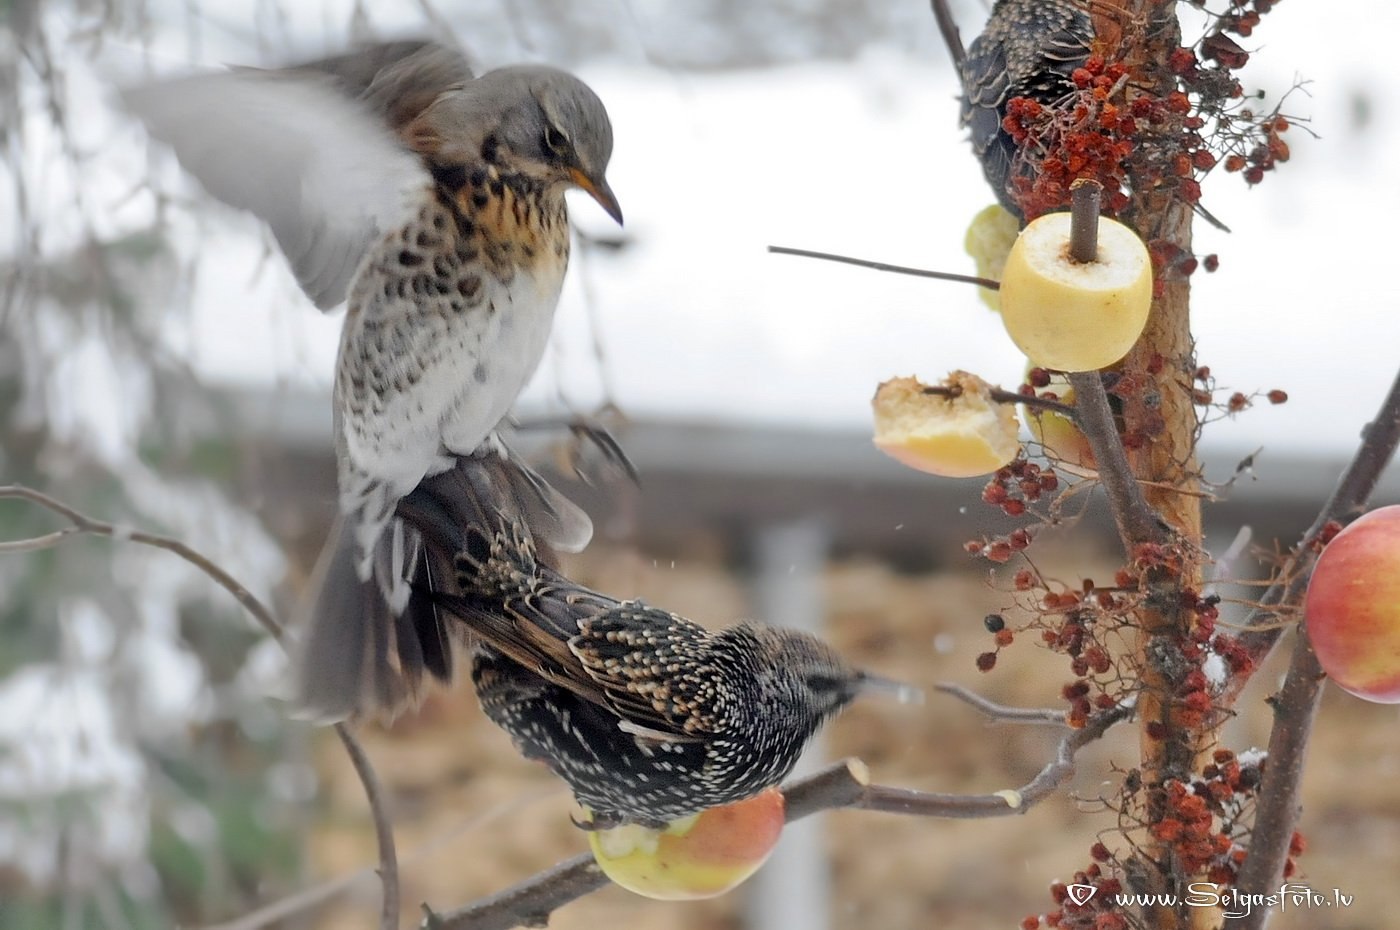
[1029, 48]
[648, 716]
[431, 201]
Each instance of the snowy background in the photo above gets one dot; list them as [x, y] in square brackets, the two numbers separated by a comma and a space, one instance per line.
[862, 156]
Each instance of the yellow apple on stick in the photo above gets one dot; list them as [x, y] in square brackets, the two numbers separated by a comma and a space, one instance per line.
[1070, 315]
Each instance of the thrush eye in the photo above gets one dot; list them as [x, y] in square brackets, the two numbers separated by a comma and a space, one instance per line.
[554, 140]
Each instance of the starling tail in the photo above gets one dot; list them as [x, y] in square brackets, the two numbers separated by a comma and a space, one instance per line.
[646, 715]
[1029, 48]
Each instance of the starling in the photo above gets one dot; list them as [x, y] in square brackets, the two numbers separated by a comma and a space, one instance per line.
[1029, 48]
[646, 715]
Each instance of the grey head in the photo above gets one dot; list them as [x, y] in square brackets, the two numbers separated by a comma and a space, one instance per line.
[536, 120]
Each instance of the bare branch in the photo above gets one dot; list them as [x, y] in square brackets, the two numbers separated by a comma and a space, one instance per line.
[1276, 804]
[1086, 194]
[383, 830]
[1348, 501]
[948, 28]
[85, 524]
[1000, 713]
[1003, 396]
[47, 541]
[997, 804]
[304, 899]
[527, 904]
[845, 784]
[1137, 522]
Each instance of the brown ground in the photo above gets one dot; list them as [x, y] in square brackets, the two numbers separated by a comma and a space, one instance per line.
[493, 819]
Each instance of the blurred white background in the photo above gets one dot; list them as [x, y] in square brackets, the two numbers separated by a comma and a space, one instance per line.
[860, 155]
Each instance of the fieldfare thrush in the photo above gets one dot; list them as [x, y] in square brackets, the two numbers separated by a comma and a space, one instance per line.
[432, 202]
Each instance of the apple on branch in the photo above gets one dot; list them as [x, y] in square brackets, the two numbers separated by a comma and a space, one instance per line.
[1352, 609]
[959, 432]
[700, 856]
[1070, 315]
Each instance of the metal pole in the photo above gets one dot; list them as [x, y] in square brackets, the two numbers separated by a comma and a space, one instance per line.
[793, 888]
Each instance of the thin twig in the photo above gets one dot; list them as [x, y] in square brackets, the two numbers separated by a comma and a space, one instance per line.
[383, 830]
[948, 29]
[85, 524]
[1137, 522]
[1003, 396]
[1379, 441]
[1000, 713]
[279, 911]
[36, 543]
[844, 785]
[885, 266]
[1085, 196]
[527, 904]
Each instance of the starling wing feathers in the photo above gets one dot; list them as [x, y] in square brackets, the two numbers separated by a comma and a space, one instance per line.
[646, 661]
[640, 663]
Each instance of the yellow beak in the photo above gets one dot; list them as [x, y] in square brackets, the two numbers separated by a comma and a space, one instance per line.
[599, 191]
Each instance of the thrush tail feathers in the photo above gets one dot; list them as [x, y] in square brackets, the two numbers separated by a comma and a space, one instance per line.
[377, 624]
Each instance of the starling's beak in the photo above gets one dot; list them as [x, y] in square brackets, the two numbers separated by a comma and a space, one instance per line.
[599, 191]
[867, 683]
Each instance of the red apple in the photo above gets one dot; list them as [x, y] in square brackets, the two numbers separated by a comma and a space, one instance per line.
[700, 856]
[1353, 607]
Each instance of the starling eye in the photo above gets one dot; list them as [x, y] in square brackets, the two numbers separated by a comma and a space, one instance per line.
[555, 141]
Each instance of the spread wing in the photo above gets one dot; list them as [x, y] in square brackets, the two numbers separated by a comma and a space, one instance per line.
[311, 150]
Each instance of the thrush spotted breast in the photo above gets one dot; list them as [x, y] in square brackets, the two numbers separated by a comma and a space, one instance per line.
[646, 715]
[432, 202]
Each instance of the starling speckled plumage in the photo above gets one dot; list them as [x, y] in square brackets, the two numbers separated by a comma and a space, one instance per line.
[1029, 48]
[432, 202]
[646, 715]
